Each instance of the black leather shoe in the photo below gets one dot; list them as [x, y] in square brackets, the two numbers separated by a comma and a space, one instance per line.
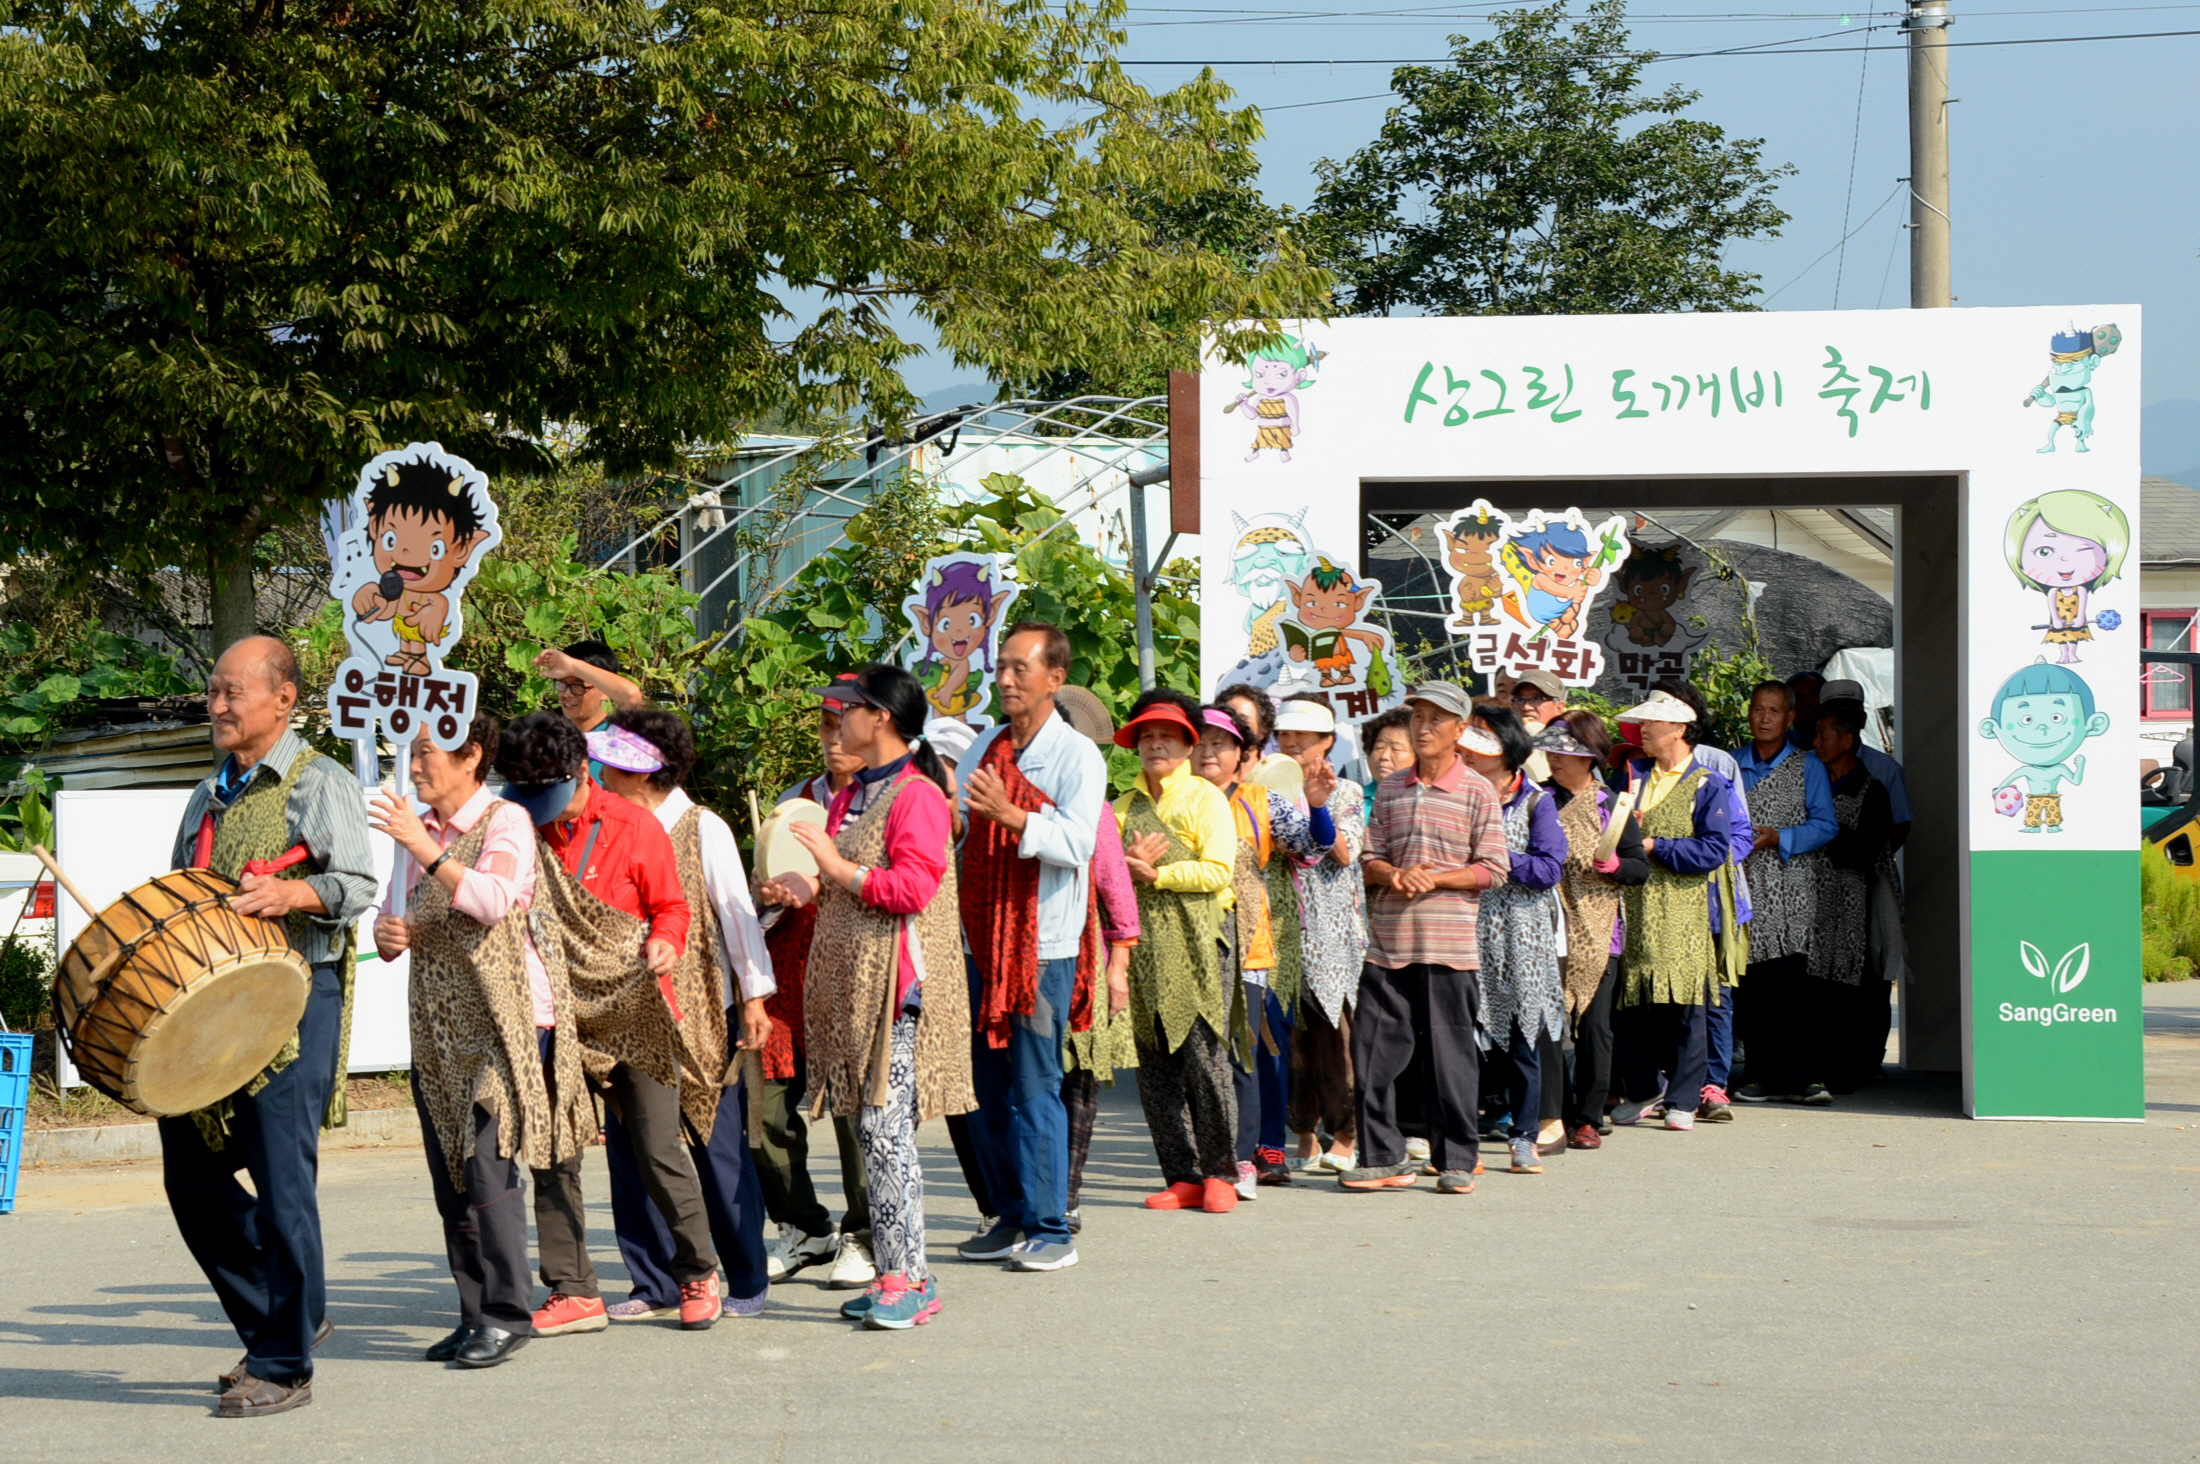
[490, 1346]
[450, 1346]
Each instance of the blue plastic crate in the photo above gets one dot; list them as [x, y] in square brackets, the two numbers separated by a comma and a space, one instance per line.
[15, 1093]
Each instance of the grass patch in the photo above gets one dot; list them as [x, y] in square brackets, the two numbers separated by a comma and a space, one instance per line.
[2169, 919]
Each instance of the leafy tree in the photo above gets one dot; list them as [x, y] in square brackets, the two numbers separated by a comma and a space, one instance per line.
[1534, 175]
[1234, 225]
[245, 245]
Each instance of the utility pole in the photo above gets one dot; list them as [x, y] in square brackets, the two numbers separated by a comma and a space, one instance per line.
[1931, 285]
[1142, 572]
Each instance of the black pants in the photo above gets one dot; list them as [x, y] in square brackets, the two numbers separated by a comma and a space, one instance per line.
[1784, 1029]
[783, 1162]
[484, 1227]
[1191, 1110]
[1081, 1096]
[1418, 1019]
[650, 1112]
[1591, 1082]
[733, 1203]
[1675, 1041]
[261, 1248]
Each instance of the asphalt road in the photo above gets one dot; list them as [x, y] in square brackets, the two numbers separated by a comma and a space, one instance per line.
[1880, 1280]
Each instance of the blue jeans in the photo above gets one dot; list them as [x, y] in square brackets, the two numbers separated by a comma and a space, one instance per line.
[262, 1249]
[1719, 1034]
[1263, 1091]
[1021, 1127]
[733, 1198]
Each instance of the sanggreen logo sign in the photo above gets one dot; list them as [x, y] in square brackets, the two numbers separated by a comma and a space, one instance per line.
[2055, 1015]
[2066, 975]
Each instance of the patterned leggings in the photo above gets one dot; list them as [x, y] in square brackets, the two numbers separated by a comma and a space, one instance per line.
[1191, 1106]
[895, 1178]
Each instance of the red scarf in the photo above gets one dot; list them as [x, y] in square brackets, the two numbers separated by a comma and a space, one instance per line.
[1000, 911]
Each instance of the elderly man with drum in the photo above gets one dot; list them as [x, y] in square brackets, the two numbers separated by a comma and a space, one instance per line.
[277, 805]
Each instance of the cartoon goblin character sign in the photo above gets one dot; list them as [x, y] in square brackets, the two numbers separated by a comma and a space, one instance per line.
[1470, 548]
[1275, 375]
[1650, 584]
[2067, 544]
[957, 610]
[1272, 551]
[1555, 566]
[2067, 390]
[426, 523]
[1325, 606]
[2041, 717]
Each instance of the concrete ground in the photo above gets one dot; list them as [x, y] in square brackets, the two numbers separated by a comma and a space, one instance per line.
[1880, 1280]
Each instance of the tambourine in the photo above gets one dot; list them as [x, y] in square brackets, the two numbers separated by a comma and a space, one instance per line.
[778, 852]
[1282, 774]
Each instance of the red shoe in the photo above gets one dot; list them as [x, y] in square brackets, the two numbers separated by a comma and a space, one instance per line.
[562, 1314]
[1584, 1136]
[1178, 1196]
[1221, 1197]
[699, 1304]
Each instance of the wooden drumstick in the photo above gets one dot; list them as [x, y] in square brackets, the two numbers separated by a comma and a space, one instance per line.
[65, 882]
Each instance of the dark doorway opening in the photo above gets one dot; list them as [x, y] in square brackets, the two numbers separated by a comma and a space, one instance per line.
[1928, 624]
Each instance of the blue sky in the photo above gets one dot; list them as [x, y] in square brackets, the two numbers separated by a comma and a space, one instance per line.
[2072, 164]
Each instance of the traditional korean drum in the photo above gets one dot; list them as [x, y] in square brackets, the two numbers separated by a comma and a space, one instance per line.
[170, 1000]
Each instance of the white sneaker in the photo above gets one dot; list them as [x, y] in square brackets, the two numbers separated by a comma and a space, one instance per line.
[1417, 1151]
[1042, 1255]
[791, 1250]
[1339, 1163]
[1248, 1182]
[852, 1266]
[1679, 1120]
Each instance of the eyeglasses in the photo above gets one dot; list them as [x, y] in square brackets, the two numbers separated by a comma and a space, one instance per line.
[574, 687]
[1530, 694]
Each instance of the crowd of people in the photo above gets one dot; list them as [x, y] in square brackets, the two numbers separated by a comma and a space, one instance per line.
[1515, 930]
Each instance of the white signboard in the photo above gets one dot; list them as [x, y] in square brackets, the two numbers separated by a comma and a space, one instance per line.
[113, 840]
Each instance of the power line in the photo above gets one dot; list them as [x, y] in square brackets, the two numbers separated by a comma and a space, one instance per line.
[1848, 199]
[1645, 58]
[1821, 259]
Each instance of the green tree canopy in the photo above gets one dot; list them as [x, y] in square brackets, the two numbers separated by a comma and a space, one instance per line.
[245, 244]
[1534, 175]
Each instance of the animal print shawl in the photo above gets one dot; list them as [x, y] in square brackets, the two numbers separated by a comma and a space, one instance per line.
[854, 971]
[473, 1032]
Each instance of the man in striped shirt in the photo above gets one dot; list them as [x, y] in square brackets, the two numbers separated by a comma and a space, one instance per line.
[1435, 842]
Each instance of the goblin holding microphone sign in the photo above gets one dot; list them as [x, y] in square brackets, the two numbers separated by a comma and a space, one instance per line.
[421, 521]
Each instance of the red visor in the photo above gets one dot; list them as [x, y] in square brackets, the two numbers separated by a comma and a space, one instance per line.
[1164, 712]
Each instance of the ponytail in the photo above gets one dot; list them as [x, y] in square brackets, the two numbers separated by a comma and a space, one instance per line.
[901, 696]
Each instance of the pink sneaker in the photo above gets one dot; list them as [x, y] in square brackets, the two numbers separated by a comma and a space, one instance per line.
[1715, 1106]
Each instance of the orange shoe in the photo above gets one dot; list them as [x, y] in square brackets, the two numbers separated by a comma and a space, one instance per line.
[1221, 1197]
[562, 1314]
[699, 1304]
[1178, 1196]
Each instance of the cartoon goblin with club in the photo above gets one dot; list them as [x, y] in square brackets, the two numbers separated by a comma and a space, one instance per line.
[1327, 602]
[1274, 377]
[2067, 544]
[422, 525]
[2067, 389]
[1551, 566]
[2041, 717]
